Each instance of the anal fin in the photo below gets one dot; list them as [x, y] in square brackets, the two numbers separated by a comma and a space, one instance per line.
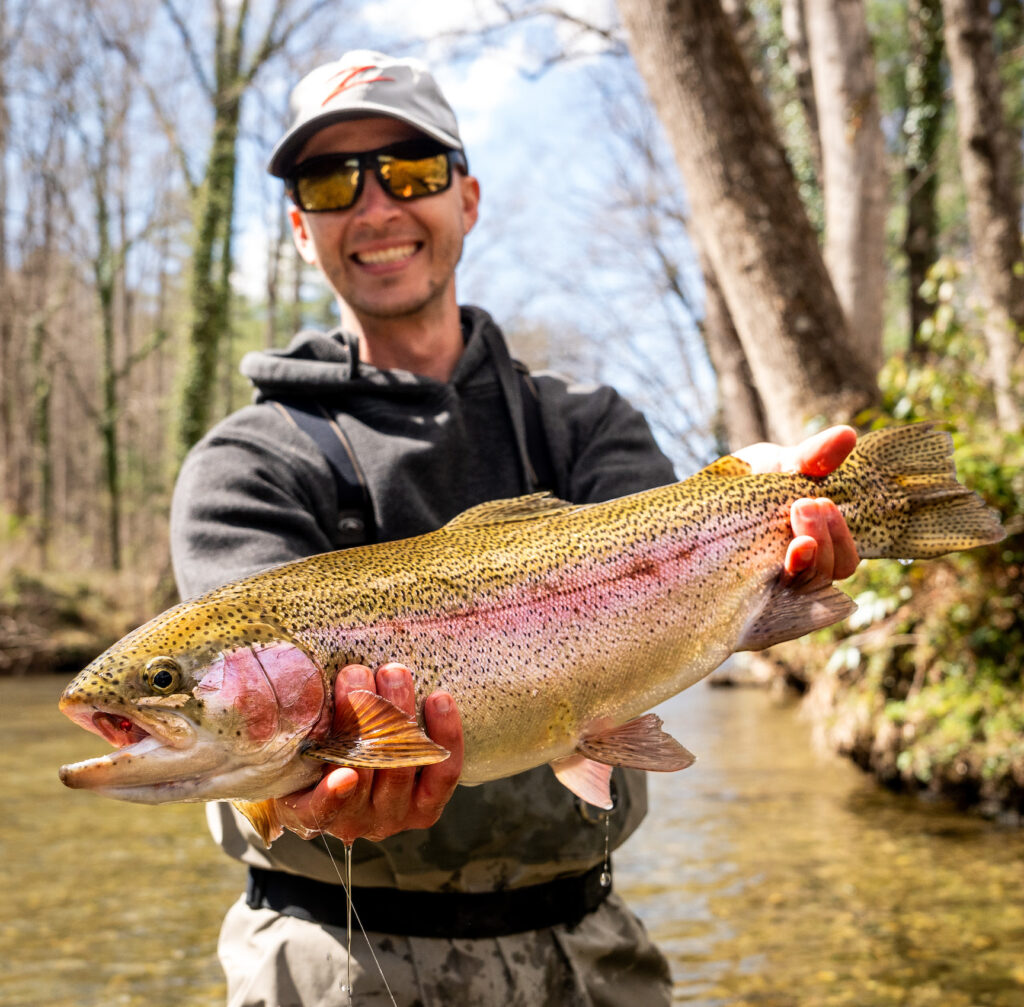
[263, 817]
[375, 734]
[790, 612]
[639, 744]
[587, 779]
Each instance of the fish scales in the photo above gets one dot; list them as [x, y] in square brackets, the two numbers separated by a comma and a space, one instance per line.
[553, 626]
[568, 617]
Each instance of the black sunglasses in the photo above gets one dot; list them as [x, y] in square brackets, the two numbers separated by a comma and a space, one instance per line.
[410, 169]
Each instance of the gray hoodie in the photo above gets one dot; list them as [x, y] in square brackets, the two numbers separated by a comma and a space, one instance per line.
[256, 491]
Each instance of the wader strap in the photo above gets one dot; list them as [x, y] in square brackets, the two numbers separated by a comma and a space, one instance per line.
[511, 390]
[431, 914]
[317, 422]
[536, 440]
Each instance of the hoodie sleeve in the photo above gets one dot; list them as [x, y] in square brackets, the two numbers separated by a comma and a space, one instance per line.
[253, 493]
[600, 445]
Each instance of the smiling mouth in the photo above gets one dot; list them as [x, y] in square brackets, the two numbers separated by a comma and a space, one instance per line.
[381, 256]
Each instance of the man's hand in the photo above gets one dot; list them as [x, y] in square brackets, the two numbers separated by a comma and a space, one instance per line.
[374, 804]
[822, 549]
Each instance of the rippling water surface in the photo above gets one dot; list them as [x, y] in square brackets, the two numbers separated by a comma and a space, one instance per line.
[771, 875]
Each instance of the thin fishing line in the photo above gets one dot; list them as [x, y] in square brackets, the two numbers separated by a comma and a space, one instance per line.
[348, 917]
[354, 912]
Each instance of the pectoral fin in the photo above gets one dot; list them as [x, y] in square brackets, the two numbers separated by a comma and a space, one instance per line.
[262, 817]
[789, 613]
[640, 744]
[375, 734]
[587, 779]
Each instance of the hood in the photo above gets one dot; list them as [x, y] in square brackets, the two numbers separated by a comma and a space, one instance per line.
[320, 365]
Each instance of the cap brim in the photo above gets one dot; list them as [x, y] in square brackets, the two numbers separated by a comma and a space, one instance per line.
[283, 155]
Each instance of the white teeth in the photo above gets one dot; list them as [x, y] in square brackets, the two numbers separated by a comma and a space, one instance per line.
[385, 255]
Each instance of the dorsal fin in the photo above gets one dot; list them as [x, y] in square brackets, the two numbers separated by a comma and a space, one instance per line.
[726, 467]
[526, 508]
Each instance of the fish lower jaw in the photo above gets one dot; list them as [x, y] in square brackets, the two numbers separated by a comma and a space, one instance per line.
[236, 783]
[151, 772]
[150, 764]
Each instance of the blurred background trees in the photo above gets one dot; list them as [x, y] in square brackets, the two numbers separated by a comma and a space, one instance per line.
[753, 216]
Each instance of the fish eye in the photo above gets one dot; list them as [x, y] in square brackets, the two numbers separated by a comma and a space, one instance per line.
[163, 674]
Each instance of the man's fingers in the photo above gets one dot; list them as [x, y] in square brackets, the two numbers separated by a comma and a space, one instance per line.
[437, 782]
[809, 557]
[810, 517]
[394, 683]
[349, 679]
[800, 557]
[314, 810]
[824, 452]
[822, 548]
[349, 803]
[392, 788]
[844, 549]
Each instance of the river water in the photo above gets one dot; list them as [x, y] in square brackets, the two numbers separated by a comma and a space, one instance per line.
[770, 873]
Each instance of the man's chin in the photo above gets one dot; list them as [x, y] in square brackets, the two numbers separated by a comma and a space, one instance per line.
[394, 307]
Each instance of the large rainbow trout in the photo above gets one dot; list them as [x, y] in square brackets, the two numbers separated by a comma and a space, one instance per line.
[553, 626]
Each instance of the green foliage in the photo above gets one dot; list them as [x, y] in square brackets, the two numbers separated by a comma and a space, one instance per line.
[928, 691]
[783, 96]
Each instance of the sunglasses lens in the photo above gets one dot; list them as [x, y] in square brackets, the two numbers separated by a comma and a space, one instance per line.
[331, 190]
[409, 178]
[333, 182]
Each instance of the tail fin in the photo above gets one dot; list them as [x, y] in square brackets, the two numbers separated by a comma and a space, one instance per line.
[899, 494]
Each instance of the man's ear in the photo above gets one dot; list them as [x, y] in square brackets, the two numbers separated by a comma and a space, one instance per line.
[469, 189]
[301, 236]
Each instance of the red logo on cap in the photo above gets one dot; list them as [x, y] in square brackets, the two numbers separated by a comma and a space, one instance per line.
[349, 81]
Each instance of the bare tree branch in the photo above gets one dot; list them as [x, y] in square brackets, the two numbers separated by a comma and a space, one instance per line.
[119, 45]
[193, 55]
[271, 44]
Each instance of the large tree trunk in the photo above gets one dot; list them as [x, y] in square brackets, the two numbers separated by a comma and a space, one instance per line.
[923, 130]
[747, 215]
[853, 167]
[740, 416]
[990, 166]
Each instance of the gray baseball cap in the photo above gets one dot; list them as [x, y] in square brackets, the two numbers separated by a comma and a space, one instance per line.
[364, 83]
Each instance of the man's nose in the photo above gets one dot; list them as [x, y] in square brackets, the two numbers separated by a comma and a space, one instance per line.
[373, 200]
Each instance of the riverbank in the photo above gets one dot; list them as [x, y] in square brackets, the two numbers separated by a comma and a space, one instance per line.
[923, 687]
[57, 622]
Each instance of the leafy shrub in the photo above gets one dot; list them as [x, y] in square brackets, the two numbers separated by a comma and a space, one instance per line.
[925, 685]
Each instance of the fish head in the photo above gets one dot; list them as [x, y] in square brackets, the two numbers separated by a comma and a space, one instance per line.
[205, 702]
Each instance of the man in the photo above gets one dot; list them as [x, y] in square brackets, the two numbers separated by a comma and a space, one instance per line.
[475, 896]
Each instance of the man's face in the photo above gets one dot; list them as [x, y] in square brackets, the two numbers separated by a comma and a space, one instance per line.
[384, 257]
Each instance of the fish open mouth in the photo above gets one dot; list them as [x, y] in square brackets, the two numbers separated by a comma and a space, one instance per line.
[119, 730]
[146, 765]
